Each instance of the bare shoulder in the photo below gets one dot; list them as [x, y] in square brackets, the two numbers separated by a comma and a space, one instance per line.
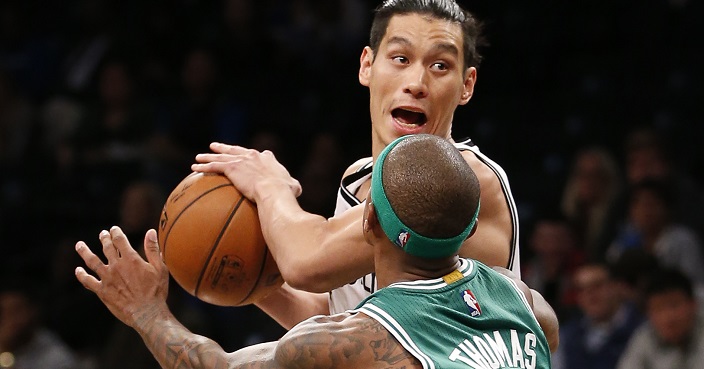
[492, 241]
[487, 177]
[347, 340]
[356, 165]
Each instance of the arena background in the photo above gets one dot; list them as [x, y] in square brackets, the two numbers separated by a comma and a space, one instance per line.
[556, 77]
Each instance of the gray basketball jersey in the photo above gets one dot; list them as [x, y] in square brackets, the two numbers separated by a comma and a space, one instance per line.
[473, 317]
[348, 296]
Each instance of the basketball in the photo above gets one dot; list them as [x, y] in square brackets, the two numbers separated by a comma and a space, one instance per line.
[212, 243]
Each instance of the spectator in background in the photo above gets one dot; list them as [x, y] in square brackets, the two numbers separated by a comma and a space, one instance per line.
[673, 336]
[200, 113]
[597, 336]
[25, 342]
[631, 271]
[109, 142]
[555, 256]
[140, 207]
[648, 156]
[650, 226]
[589, 196]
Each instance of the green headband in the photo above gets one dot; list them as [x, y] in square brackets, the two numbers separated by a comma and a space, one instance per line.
[399, 233]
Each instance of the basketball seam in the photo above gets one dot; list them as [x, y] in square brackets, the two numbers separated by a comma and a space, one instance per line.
[261, 271]
[166, 238]
[216, 243]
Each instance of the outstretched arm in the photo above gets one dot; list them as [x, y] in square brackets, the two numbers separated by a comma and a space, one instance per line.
[134, 290]
[313, 253]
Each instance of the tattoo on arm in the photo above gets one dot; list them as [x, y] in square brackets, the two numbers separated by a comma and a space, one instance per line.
[355, 342]
[174, 346]
[360, 342]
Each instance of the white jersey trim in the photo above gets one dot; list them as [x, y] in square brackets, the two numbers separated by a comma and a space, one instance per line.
[397, 330]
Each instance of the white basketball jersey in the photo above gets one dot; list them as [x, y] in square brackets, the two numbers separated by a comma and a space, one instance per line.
[348, 296]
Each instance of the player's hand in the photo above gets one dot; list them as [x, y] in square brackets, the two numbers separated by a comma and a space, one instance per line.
[133, 289]
[255, 174]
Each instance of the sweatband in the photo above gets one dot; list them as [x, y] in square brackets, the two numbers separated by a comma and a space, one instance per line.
[399, 233]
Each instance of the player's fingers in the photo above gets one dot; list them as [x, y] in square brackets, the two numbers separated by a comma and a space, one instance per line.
[92, 261]
[211, 167]
[228, 149]
[87, 280]
[109, 249]
[122, 244]
[151, 249]
[210, 158]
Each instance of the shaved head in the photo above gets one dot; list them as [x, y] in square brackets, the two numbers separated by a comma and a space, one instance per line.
[430, 186]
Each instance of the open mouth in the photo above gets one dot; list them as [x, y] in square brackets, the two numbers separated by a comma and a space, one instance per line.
[409, 117]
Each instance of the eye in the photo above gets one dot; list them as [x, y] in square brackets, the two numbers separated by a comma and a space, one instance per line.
[439, 66]
[400, 59]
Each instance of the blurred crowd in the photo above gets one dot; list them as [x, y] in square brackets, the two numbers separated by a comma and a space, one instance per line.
[593, 109]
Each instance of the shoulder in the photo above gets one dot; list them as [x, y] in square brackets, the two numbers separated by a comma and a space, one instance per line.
[485, 173]
[356, 165]
[643, 340]
[517, 282]
[347, 340]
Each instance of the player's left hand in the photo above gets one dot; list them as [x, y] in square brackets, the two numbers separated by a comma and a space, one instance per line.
[255, 174]
[132, 289]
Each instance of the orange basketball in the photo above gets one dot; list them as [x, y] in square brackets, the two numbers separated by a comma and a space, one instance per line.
[212, 243]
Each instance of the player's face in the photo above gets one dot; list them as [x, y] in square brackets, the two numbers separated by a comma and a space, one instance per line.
[417, 78]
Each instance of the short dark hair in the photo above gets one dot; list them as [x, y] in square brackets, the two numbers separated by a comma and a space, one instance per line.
[667, 280]
[430, 186]
[661, 189]
[441, 9]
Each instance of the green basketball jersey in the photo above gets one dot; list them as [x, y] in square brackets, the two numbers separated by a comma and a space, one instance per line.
[474, 318]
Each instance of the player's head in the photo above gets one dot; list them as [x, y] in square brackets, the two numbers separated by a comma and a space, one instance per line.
[424, 195]
[420, 65]
[447, 10]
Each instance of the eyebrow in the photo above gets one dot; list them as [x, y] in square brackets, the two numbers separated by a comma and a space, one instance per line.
[443, 46]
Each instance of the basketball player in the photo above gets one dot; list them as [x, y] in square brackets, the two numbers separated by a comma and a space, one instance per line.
[420, 66]
[433, 309]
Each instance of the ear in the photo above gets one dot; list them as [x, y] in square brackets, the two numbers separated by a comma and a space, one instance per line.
[365, 65]
[469, 80]
[474, 229]
[371, 222]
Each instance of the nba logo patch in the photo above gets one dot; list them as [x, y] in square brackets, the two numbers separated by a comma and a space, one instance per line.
[472, 303]
[402, 238]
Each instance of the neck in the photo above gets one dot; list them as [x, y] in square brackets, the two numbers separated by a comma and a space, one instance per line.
[395, 265]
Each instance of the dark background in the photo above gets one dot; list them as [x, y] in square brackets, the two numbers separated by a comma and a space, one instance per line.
[556, 77]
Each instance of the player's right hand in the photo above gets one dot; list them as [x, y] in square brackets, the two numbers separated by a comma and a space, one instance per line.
[255, 174]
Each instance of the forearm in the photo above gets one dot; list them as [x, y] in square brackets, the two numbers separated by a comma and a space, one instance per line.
[174, 346]
[289, 306]
[313, 253]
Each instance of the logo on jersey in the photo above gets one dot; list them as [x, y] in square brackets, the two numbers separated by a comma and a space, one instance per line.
[472, 303]
[402, 238]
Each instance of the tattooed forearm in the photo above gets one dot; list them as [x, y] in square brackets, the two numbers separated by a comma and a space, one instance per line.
[174, 346]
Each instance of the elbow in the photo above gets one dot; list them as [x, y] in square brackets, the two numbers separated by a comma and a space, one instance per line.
[304, 276]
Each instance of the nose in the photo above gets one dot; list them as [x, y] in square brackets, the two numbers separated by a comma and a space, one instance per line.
[416, 84]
